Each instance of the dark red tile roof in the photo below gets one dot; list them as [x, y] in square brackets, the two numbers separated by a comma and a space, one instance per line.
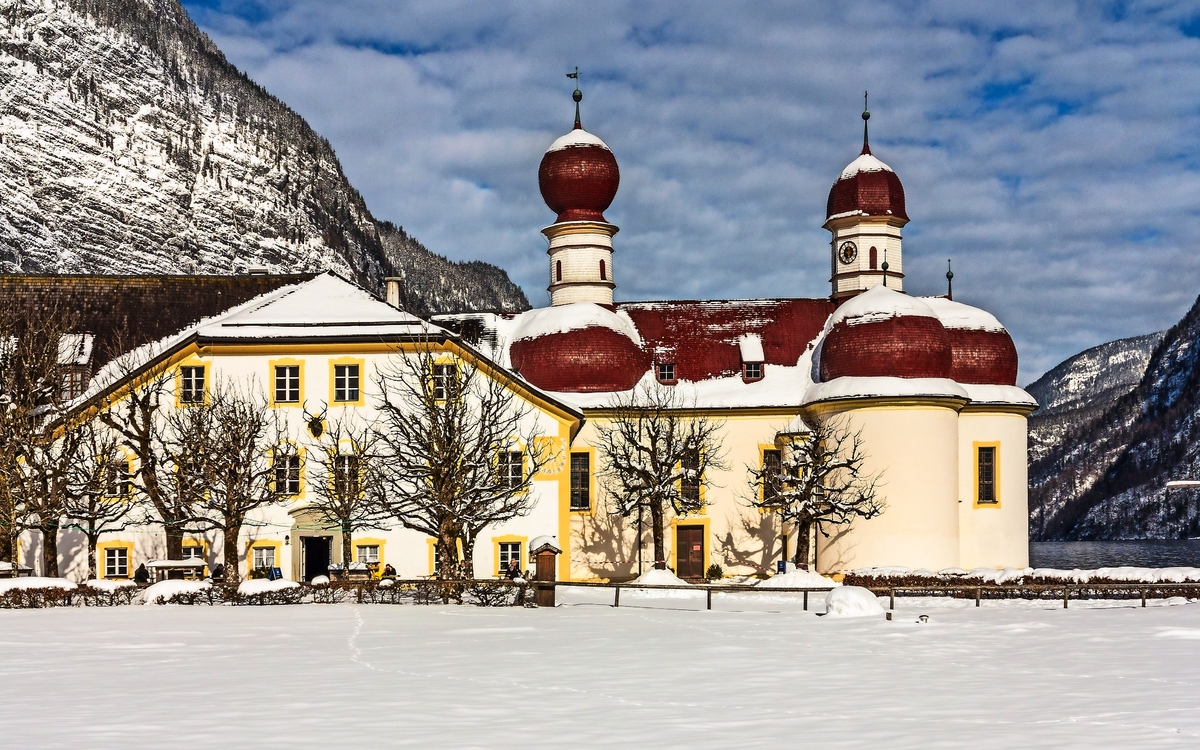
[876, 193]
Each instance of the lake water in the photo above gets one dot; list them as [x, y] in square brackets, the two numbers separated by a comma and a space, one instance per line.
[1147, 553]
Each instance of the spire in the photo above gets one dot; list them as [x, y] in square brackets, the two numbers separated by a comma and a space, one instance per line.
[949, 281]
[884, 266]
[577, 95]
[866, 115]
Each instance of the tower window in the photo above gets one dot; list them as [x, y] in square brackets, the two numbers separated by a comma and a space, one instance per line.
[581, 480]
[558, 270]
[603, 272]
[874, 258]
[985, 468]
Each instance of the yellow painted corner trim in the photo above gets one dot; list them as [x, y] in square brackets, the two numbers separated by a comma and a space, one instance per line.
[995, 473]
[362, 380]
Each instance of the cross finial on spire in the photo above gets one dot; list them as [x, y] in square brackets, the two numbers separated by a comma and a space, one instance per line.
[866, 115]
[949, 281]
[577, 95]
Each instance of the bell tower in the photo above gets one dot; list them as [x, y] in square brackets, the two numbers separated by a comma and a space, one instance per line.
[864, 215]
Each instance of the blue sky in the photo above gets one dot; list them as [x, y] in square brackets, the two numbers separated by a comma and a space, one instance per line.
[1051, 149]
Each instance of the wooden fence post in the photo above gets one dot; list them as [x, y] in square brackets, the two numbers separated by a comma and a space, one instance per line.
[709, 598]
[1143, 597]
[805, 601]
[891, 598]
[617, 597]
[978, 594]
[1066, 595]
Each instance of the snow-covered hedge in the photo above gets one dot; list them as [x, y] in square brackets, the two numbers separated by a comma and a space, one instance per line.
[1032, 582]
[38, 593]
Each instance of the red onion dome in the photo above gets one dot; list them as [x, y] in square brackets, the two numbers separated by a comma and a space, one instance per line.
[982, 352]
[579, 348]
[867, 187]
[579, 177]
[883, 333]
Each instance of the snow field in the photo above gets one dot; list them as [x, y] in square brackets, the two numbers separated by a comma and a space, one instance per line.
[319, 676]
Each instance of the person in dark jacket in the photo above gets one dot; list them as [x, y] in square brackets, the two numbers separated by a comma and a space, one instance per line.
[218, 573]
[389, 571]
[141, 575]
[513, 571]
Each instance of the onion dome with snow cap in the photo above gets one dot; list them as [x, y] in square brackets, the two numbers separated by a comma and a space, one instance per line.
[578, 348]
[883, 333]
[578, 175]
[866, 187]
[982, 352]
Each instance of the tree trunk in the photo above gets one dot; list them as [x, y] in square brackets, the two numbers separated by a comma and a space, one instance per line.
[233, 572]
[347, 547]
[174, 540]
[803, 540]
[656, 523]
[467, 564]
[8, 547]
[93, 542]
[447, 557]
[50, 550]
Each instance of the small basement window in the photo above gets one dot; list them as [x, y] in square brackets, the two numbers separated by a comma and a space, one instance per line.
[665, 372]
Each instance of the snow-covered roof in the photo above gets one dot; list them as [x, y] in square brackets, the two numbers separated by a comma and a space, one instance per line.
[543, 541]
[75, 348]
[962, 317]
[1000, 395]
[864, 163]
[851, 388]
[563, 318]
[750, 347]
[577, 137]
[877, 304]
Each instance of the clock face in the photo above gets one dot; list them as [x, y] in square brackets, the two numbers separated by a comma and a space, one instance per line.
[847, 253]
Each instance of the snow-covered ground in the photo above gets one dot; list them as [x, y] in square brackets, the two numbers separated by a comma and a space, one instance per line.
[754, 672]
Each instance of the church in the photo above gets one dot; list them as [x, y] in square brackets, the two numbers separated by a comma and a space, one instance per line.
[927, 382]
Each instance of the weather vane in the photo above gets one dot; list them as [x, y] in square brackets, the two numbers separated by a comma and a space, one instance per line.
[577, 95]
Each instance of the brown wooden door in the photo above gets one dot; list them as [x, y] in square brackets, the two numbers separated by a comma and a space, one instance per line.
[689, 551]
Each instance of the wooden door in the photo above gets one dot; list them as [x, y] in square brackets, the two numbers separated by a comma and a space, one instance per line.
[689, 551]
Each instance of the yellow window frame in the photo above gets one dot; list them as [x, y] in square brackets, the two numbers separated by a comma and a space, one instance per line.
[263, 544]
[995, 473]
[102, 552]
[523, 557]
[300, 453]
[433, 546]
[362, 370]
[192, 361]
[285, 362]
[593, 497]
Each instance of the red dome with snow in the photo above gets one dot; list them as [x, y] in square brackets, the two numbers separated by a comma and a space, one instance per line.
[579, 177]
[579, 348]
[882, 333]
[866, 187]
[982, 352]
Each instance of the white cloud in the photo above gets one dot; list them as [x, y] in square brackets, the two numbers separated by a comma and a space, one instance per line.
[1049, 149]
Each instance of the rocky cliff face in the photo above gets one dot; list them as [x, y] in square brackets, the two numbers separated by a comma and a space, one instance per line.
[1104, 478]
[129, 144]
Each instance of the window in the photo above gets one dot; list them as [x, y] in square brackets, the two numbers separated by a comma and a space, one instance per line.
[689, 484]
[193, 552]
[665, 373]
[287, 384]
[191, 385]
[75, 380]
[117, 481]
[345, 476]
[345, 382]
[581, 481]
[264, 557]
[772, 468]
[986, 475]
[558, 270]
[443, 381]
[368, 553]
[510, 466]
[874, 258]
[287, 474]
[509, 551]
[116, 562]
[752, 370]
[603, 272]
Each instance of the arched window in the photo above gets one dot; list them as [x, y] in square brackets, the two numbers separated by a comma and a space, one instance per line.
[874, 257]
[558, 270]
[603, 272]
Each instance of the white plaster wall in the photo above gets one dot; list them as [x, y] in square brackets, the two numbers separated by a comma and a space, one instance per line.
[994, 536]
[916, 449]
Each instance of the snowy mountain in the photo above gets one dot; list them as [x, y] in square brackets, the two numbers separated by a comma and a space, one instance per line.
[1104, 477]
[129, 144]
[1082, 388]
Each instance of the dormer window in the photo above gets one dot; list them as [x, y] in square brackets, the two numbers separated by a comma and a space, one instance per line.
[751, 350]
[665, 372]
[752, 370]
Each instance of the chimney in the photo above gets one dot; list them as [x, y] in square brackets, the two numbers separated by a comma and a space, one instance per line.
[393, 291]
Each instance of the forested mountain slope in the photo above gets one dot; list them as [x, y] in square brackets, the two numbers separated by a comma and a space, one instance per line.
[1105, 477]
[128, 144]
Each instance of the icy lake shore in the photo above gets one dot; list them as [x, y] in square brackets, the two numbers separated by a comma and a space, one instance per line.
[654, 673]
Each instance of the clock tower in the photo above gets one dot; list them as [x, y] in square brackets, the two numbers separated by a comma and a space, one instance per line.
[865, 214]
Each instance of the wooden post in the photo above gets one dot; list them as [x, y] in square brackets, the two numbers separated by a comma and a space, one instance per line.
[978, 594]
[709, 598]
[1066, 595]
[545, 572]
[891, 598]
[617, 596]
[805, 601]
[1143, 598]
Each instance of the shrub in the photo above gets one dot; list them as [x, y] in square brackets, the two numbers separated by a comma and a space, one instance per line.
[715, 572]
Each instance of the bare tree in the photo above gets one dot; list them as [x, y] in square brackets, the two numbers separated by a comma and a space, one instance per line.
[345, 480]
[221, 450]
[98, 495]
[657, 455]
[459, 454]
[818, 480]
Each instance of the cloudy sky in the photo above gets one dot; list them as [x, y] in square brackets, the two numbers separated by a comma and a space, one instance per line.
[1051, 150]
